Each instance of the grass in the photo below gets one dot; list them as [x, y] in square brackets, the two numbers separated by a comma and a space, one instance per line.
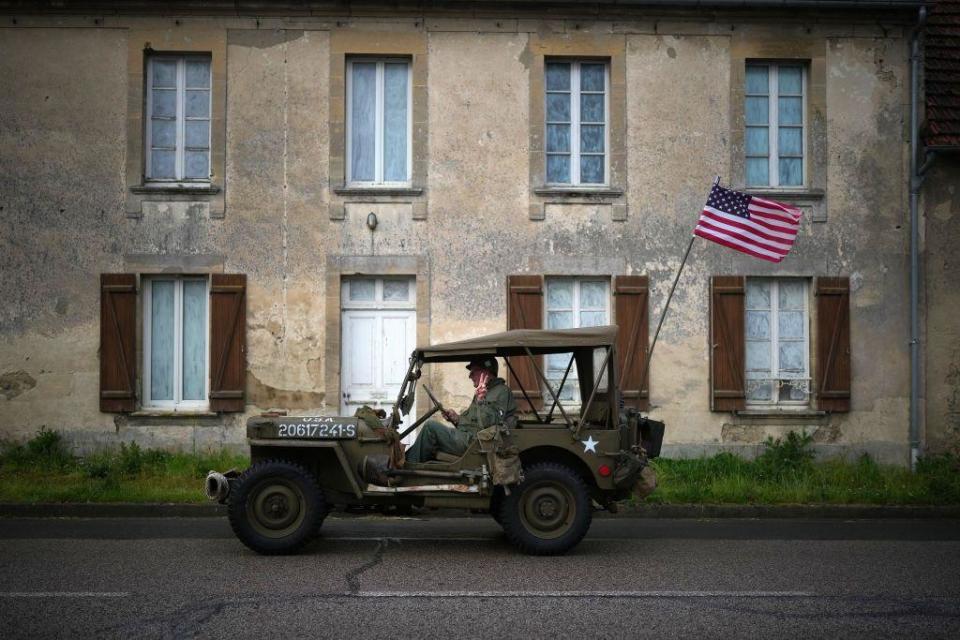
[43, 470]
[787, 474]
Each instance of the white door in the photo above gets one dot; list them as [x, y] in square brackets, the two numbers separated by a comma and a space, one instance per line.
[379, 326]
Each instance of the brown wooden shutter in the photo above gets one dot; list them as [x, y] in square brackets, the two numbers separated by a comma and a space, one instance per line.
[833, 344]
[118, 340]
[632, 339]
[525, 311]
[228, 341]
[727, 344]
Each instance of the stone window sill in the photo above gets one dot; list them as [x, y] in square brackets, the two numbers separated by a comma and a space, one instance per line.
[174, 188]
[803, 412]
[790, 195]
[555, 191]
[165, 413]
[378, 191]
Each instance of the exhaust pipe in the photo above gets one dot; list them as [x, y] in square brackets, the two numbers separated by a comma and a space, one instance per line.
[217, 487]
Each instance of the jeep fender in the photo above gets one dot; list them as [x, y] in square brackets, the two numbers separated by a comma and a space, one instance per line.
[301, 452]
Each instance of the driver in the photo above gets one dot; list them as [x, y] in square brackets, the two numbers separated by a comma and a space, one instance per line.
[492, 404]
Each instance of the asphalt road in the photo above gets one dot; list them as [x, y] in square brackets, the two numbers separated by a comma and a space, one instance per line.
[459, 578]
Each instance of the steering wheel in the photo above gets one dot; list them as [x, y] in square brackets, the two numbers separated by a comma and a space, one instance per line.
[433, 399]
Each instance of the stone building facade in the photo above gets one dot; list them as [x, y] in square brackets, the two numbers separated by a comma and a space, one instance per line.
[222, 209]
[941, 207]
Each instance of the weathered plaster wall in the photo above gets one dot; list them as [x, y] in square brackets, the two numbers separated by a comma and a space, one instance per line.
[62, 184]
[673, 159]
[478, 187]
[61, 152]
[862, 236]
[275, 228]
[866, 234]
[942, 331]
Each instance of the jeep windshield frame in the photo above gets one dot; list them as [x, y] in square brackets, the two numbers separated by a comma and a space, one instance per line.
[528, 343]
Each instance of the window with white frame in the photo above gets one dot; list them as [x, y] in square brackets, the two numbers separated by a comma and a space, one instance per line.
[576, 120]
[573, 303]
[777, 342]
[178, 130]
[379, 124]
[175, 337]
[775, 120]
[390, 292]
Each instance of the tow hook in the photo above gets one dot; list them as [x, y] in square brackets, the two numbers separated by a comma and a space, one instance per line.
[217, 485]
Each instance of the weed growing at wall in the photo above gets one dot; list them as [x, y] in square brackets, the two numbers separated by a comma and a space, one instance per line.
[127, 462]
[786, 458]
[44, 470]
[45, 451]
[786, 473]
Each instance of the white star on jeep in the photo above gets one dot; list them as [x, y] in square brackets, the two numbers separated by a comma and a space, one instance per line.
[590, 444]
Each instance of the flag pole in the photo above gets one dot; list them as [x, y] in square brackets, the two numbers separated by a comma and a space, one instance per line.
[663, 314]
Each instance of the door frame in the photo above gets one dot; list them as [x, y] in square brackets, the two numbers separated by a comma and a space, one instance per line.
[379, 312]
[341, 267]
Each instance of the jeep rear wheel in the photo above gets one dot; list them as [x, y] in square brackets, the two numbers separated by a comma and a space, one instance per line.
[277, 507]
[549, 512]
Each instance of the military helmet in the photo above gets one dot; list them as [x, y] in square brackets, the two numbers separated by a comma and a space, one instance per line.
[487, 362]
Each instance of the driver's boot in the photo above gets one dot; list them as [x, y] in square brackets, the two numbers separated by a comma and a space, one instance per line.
[374, 470]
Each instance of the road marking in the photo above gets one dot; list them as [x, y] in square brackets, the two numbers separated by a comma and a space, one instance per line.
[584, 594]
[63, 594]
[494, 538]
[408, 539]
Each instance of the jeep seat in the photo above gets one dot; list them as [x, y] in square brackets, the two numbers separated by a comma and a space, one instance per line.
[443, 456]
[599, 412]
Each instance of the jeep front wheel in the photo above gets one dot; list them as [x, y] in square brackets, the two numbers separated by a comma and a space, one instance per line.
[276, 507]
[549, 512]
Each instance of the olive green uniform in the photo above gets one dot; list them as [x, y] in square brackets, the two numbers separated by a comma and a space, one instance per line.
[497, 406]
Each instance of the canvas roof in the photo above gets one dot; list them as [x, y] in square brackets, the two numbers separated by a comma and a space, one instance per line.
[515, 343]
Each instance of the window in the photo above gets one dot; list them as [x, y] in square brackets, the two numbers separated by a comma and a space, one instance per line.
[179, 371]
[175, 335]
[777, 342]
[576, 121]
[178, 130]
[378, 121]
[379, 293]
[535, 302]
[572, 303]
[775, 121]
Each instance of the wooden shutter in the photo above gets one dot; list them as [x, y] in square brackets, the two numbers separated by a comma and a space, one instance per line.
[228, 341]
[118, 339]
[525, 311]
[630, 300]
[833, 344]
[727, 344]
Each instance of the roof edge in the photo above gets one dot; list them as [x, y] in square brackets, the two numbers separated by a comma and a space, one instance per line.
[331, 7]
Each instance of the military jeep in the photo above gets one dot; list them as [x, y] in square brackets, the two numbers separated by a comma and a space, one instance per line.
[540, 474]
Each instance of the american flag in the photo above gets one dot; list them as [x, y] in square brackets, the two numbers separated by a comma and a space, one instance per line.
[756, 226]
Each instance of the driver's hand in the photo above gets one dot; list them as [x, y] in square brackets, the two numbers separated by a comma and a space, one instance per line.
[451, 416]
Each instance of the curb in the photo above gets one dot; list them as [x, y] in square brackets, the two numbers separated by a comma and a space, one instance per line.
[111, 510]
[671, 511]
[809, 511]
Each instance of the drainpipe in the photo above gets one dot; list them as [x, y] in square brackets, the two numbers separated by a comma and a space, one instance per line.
[916, 181]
